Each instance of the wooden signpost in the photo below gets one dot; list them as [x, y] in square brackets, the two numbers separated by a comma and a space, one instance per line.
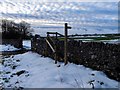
[54, 46]
[66, 43]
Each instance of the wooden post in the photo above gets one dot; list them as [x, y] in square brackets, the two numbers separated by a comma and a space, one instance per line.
[65, 43]
[46, 51]
[56, 48]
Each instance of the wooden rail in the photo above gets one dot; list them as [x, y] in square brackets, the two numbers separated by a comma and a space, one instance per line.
[55, 33]
[50, 46]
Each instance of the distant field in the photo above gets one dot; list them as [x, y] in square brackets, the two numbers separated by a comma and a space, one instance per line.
[95, 37]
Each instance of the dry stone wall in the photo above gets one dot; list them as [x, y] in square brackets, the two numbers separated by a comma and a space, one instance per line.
[96, 55]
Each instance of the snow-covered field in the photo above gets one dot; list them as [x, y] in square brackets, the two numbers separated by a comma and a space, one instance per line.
[112, 41]
[30, 70]
[7, 48]
[27, 44]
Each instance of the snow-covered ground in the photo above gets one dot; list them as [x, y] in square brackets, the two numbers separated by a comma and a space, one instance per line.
[27, 44]
[114, 41]
[8, 48]
[30, 70]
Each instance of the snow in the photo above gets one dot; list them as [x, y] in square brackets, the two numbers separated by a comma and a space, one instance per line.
[27, 44]
[7, 47]
[41, 72]
[113, 41]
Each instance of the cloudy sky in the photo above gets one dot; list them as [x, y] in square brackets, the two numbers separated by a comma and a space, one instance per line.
[90, 15]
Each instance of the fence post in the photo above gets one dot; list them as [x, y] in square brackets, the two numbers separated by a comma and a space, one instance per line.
[66, 43]
[56, 48]
[46, 51]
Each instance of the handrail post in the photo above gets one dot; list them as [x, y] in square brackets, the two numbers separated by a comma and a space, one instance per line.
[46, 51]
[56, 48]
